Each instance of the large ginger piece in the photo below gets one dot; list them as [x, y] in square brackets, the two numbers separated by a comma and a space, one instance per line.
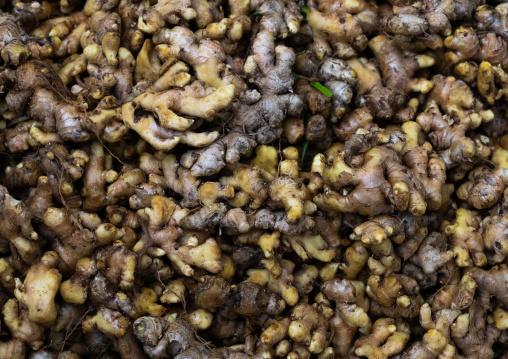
[485, 185]
[269, 67]
[206, 57]
[466, 43]
[398, 70]
[426, 164]
[432, 253]
[452, 98]
[394, 335]
[39, 289]
[466, 240]
[159, 222]
[162, 339]
[12, 49]
[375, 184]
[350, 312]
[155, 16]
[16, 319]
[432, 18]
[472, 333]
[381, 101]
[334, 32]
[493, 282]
[494, 232]
[169, 129]
[17, 228]
[309, 327]
[32, 79]
[395, 295]
[257, 120]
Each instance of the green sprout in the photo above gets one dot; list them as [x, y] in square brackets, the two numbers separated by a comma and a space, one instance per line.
[304, 149]
[321, 88]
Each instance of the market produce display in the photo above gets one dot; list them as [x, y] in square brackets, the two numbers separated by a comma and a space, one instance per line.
[253, 179]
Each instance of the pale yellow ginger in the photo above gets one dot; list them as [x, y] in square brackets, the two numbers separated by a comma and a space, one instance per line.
[388, 338]
[309, 326]
[214, 192]
[250, 181]
[174, 292]
[467, 242]
[291, 194]
[39, 289]
[308, 245]
[267, 158]
[170, 129]
[275, 332]
[266, 241]
[108, 321]
[16, 319]
[200, 319]
[277, 277]
[492, 82]
[145, 302]
[161, 217]
[6, 275]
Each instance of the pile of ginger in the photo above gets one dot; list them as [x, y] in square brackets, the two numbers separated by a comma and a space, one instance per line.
[254, 179]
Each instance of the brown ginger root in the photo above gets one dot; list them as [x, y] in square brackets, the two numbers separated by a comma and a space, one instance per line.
[335, 33]
[466, 44]
[432, 253]
[385, 171]
[350, 312]
[493, 230]
[155, 16]
[256, 121]
[485, 186]
[456, 100]
[159, 336]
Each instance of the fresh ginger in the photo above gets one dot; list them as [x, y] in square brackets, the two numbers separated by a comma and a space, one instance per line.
[37, 292]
